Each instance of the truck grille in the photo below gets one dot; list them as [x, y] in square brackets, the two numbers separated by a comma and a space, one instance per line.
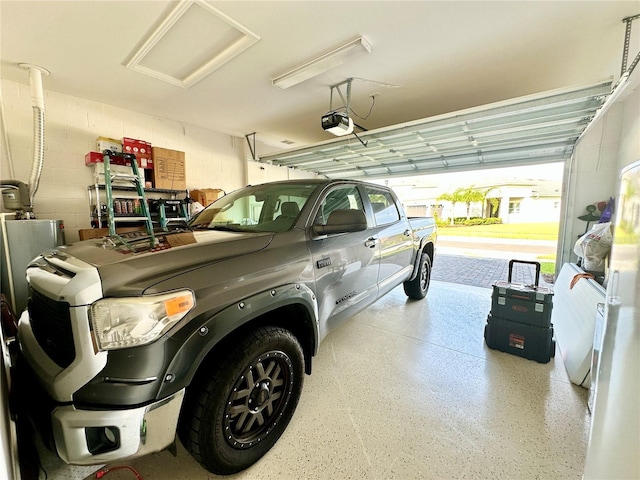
[51, 324]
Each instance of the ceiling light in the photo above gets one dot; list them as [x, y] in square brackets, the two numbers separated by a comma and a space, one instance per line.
[323, 63]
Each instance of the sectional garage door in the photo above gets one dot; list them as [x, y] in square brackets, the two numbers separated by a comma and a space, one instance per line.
[529, 130]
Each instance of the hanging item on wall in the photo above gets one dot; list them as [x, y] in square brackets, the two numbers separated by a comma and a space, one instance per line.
[607, 211]
[590, 216]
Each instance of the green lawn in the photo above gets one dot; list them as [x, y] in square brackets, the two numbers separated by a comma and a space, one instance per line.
[533, 231]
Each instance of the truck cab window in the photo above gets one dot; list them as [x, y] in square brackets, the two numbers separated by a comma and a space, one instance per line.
[340, 198]
[384, 207]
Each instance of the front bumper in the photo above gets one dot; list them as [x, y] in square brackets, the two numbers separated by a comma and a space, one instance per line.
[59, 359]
[61, 383]
[91, 437]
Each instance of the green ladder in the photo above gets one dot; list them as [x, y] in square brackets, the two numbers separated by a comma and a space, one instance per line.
[164, 220]
[137, 182]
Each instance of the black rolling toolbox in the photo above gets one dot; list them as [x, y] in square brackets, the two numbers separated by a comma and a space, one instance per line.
[534, 343]
[520, 319]
[530, 304]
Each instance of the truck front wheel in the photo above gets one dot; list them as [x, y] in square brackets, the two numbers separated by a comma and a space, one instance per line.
[246, 401]
[418, 287]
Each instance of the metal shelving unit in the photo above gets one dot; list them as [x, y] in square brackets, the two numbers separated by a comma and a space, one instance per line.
[134, 208]
[97, 190]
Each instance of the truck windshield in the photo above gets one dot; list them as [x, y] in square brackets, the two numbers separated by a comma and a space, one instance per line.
[261, 208]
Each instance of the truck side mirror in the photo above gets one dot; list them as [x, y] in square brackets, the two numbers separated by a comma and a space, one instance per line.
[343, 221]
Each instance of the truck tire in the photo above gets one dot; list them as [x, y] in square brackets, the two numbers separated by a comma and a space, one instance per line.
[418, 287]
[244, 402]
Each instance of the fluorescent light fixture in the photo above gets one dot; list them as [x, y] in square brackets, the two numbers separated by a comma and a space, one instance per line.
[323, 63]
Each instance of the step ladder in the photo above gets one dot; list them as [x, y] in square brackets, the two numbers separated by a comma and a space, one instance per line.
[165, 220]
[135, 180]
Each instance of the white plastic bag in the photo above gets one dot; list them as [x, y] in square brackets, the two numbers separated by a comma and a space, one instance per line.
[195, 207]
[594, 246]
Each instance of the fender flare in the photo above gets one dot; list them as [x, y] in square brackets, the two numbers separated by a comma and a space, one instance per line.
[218, 327]
[424, 244]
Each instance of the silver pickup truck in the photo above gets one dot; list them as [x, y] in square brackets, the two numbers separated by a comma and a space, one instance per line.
[208, 331]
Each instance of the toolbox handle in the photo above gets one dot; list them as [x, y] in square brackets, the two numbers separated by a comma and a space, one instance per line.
[537, 265]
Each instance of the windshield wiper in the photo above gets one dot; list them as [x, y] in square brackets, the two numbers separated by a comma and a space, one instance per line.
[223, 228]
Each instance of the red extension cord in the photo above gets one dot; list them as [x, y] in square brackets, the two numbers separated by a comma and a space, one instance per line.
[104, 471]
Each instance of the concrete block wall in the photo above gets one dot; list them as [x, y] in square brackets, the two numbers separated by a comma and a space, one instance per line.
[213, 159]
[258, 172]
[592, 175]
[629, 149]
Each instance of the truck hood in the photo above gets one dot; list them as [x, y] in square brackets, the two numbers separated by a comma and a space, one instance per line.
[131, 272]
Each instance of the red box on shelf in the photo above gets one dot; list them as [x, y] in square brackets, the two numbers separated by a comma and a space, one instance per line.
[92, 158]
[141, 149]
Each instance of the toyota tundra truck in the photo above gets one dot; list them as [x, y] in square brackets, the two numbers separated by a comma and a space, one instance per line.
[204, 333]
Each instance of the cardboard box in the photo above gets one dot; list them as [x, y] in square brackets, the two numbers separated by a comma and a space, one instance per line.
[105, 143]
[205, 196]
[169, 170]
[181, 239]
[91, 158]
[89, 233]
[141, 149]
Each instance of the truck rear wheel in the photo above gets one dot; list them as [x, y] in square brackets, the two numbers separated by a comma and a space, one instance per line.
[246, 402]
[418, 287]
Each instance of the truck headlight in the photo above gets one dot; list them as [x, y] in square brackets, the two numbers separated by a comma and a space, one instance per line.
[133, 321]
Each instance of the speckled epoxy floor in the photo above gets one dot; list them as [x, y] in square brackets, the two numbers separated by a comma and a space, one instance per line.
[408, 390]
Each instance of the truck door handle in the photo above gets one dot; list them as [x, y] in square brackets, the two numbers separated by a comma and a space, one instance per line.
[407, 233]
[371, 242]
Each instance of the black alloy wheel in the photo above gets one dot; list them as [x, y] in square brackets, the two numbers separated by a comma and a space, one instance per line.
[418, 287]
[258, 399]
[244, 401]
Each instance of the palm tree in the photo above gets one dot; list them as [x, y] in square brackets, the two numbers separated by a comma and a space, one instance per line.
[469, 195]
[453, 198]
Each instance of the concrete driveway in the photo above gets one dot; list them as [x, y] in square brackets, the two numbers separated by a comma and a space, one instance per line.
[482, 261]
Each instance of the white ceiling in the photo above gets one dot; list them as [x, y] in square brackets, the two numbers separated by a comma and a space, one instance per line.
[446, 56]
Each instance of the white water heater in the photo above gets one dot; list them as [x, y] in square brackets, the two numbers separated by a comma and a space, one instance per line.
[22, 241]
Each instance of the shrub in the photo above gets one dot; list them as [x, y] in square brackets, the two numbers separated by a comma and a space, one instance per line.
[473, 221]
[463, 222]
[481, 221]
